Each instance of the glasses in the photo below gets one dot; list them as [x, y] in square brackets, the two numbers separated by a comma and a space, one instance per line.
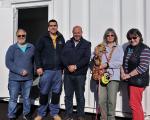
[110, 35]
[21, 36]
[134, 38]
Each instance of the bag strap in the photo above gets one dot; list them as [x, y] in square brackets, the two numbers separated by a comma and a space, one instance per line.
[110, 54]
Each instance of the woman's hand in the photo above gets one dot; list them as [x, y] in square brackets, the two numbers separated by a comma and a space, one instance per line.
[125, 76]
[103, 66]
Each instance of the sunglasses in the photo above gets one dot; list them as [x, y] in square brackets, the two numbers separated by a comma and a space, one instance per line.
[110, 35]
[134, 38]
[21, 36]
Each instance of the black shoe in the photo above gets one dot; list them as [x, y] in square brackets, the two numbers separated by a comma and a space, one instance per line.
[81, 118]
[68, 118]
[12, 118]
[28, 117]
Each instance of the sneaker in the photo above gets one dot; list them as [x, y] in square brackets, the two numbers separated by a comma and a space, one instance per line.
[38, 118]
[68, 118]
[27, 117]
[57, 117]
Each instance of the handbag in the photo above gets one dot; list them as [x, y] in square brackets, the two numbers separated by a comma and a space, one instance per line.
[140, 80]
[105, 78]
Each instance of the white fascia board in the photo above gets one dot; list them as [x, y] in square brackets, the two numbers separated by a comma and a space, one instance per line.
[26, 1]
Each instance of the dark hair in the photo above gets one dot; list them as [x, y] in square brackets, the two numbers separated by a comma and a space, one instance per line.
[110, 30]
[52, 20]
[134, 32]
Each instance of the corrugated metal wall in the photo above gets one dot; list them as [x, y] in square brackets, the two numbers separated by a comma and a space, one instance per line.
[95, 16]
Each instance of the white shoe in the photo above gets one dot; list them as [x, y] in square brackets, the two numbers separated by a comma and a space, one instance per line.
[38, 118]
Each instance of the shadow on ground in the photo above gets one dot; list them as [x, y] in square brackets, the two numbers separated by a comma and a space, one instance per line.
[4, 105]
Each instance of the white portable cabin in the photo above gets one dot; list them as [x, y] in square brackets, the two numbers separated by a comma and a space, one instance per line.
[95, 16]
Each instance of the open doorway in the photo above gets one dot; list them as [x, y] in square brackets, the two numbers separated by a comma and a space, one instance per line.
[34, 21]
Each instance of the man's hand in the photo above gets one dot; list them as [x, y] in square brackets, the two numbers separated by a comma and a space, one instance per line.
[24, 73]
[39, 71]
[72, 68]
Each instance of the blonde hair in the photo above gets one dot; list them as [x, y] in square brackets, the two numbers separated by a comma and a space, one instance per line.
[110, 30]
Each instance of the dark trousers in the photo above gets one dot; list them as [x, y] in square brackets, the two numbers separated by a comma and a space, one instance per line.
[74, 84]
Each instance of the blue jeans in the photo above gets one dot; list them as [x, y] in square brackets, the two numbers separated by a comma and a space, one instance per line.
[50, 82]
[14, 88]
[74, 84]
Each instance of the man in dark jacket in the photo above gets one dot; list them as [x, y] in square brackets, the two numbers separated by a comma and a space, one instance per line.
[75, 57]
[49, 67]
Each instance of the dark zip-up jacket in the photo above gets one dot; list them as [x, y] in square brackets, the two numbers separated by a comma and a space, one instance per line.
[79, 56]
[140, 80]
[46, 56]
